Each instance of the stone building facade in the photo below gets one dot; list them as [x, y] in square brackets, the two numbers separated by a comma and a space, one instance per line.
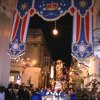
[7, 9]
[34, 65]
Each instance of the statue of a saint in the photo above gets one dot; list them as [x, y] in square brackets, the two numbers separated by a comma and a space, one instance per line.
[59, 68]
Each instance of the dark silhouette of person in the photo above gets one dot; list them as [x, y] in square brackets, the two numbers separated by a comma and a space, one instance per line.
[27, 95]
[9, 93]
[21, 93]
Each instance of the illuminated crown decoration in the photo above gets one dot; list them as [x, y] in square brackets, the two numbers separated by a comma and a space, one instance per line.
[52, 6]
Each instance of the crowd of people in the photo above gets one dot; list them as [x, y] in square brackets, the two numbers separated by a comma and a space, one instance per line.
[22, 92]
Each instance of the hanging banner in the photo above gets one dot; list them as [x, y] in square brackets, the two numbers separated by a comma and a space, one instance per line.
[24, 11]
[52, 9]
[82, 44]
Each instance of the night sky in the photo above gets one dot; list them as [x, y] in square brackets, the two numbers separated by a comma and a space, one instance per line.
[60, 45]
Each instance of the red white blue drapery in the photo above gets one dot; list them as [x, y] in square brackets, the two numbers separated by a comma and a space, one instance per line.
[22, 15]
[82, 44]
[50, 10]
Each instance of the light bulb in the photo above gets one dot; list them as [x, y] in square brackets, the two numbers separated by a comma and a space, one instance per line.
[55, 32]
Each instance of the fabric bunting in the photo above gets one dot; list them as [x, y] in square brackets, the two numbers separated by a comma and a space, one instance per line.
[22, 15]
[82, 44]
[51, 10]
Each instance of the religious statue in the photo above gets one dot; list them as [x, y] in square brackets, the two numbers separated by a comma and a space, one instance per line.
[59, 69]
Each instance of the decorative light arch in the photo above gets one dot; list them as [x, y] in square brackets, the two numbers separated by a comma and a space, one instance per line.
[51, 10]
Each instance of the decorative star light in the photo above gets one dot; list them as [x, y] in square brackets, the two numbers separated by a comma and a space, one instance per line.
[24, 6]
[83, 3]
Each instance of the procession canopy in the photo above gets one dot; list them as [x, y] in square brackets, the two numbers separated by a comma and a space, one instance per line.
[51, 10]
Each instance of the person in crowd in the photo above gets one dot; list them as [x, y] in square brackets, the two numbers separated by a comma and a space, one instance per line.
[67, 96]
[49, 94]
[16, 89]
[21, 93]
[73, 95]
[36, 95]
[2, 95]
[9, 93]
[61, 94]
[27, 94]
[13, 95]
[43, 93]
[55, 94]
